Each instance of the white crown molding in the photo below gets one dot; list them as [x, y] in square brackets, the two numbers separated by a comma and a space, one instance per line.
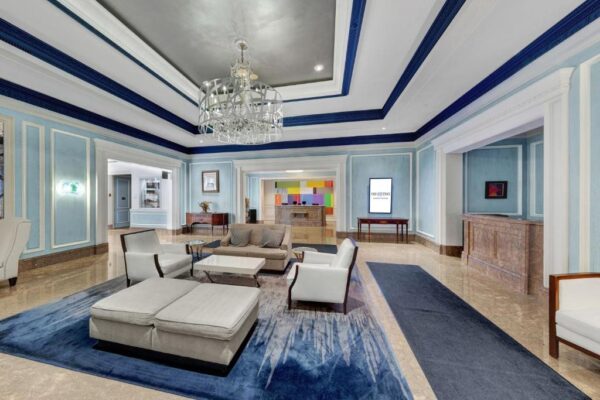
[102, 20]
[107, 24]
[29, 109]
[540, 69]
[521, 111]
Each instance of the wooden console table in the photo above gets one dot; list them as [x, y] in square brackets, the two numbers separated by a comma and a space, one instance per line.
[212, 219]
[401, 225]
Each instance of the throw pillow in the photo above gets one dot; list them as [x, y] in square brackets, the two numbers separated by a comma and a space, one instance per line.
[240, 237]
[271, 238]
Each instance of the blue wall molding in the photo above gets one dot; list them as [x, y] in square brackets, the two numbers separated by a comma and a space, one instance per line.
[38, 222]
[418, 228]
[54, 182]
[350, 210]
[519, 172]
[30, 44]
[534, 147]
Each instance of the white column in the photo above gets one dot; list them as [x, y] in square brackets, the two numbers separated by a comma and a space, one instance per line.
[449, 183]
[556, 181]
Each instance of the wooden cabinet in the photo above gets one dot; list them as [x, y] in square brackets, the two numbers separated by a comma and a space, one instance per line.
[212, 219]
[508, 250]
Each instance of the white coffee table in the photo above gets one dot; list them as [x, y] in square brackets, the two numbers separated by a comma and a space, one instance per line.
[230, 265]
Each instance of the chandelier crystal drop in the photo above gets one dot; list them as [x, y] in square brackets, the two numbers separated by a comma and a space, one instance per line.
[240, 109]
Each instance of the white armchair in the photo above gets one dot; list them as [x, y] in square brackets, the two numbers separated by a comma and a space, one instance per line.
[14, 234]
[146, 257]
[323, 277]
[575, 312]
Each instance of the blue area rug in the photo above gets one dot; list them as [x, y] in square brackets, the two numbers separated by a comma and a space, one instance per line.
[304, 353]
[463, 354]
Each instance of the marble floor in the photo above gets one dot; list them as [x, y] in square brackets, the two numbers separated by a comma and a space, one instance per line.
[523, 317]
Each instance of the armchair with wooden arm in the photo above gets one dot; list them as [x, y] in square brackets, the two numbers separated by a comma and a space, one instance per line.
[574, 312]
[322, 277]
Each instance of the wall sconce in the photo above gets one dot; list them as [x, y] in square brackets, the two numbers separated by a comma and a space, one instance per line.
[72, 188]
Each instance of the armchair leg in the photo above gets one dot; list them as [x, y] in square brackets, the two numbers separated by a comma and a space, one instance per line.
[345, 310]
[128, 282]
[12, 281]
[289, 302]
[553, 346]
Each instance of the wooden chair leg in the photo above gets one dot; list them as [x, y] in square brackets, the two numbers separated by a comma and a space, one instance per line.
[128, 282]
[12, 281]
[553, 344]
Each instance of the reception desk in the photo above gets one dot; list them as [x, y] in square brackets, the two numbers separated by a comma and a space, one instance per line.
[506, 249]
[300, 215]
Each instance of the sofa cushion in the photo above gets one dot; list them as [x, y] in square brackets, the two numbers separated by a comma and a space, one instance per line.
[139, 303]
[252, 251]
[240, 236]
[271, 238]
[257, 232]
[584, 322]
[170, 262]
[209, 310]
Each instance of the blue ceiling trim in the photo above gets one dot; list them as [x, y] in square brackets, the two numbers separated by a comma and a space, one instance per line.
[332, 118]
[356, 19]
[30, 44]
[297, 144]
[21, 93]
[435, 32]
[583, 15]
[121, 50]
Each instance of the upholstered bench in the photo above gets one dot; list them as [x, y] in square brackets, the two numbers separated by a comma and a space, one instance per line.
[202, 321]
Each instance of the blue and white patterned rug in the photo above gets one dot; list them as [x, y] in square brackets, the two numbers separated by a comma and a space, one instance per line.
[308, 353]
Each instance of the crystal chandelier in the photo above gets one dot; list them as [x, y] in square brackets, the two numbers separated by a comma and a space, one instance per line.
[240, 109]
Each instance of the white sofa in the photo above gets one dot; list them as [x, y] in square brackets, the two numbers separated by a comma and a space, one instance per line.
[202, 321]
[323, 277]
[575, 312]
[14, 234]
[146, 257]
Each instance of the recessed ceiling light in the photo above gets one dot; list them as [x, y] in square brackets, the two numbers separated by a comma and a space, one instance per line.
[319, 67]
[383, 128]
[294, 171]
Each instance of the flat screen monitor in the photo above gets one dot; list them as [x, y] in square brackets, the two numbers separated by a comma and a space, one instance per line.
[380, 195]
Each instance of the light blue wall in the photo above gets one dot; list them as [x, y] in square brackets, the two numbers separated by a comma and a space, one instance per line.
[253, 187]
[426, 195]
[222, 201]
[396, 166]
[65, 159]
[501, 162]
[595, 169]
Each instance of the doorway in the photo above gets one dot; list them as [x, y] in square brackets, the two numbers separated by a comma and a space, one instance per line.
[122, 201]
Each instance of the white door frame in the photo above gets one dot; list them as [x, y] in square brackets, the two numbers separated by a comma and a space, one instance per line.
[108, 150]
[331, 163]
[543, 102]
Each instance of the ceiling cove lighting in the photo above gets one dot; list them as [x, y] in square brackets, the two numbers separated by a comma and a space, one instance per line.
[294, 171]
[240, 109]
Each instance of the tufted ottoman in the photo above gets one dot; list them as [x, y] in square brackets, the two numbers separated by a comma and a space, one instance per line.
[202, 321]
